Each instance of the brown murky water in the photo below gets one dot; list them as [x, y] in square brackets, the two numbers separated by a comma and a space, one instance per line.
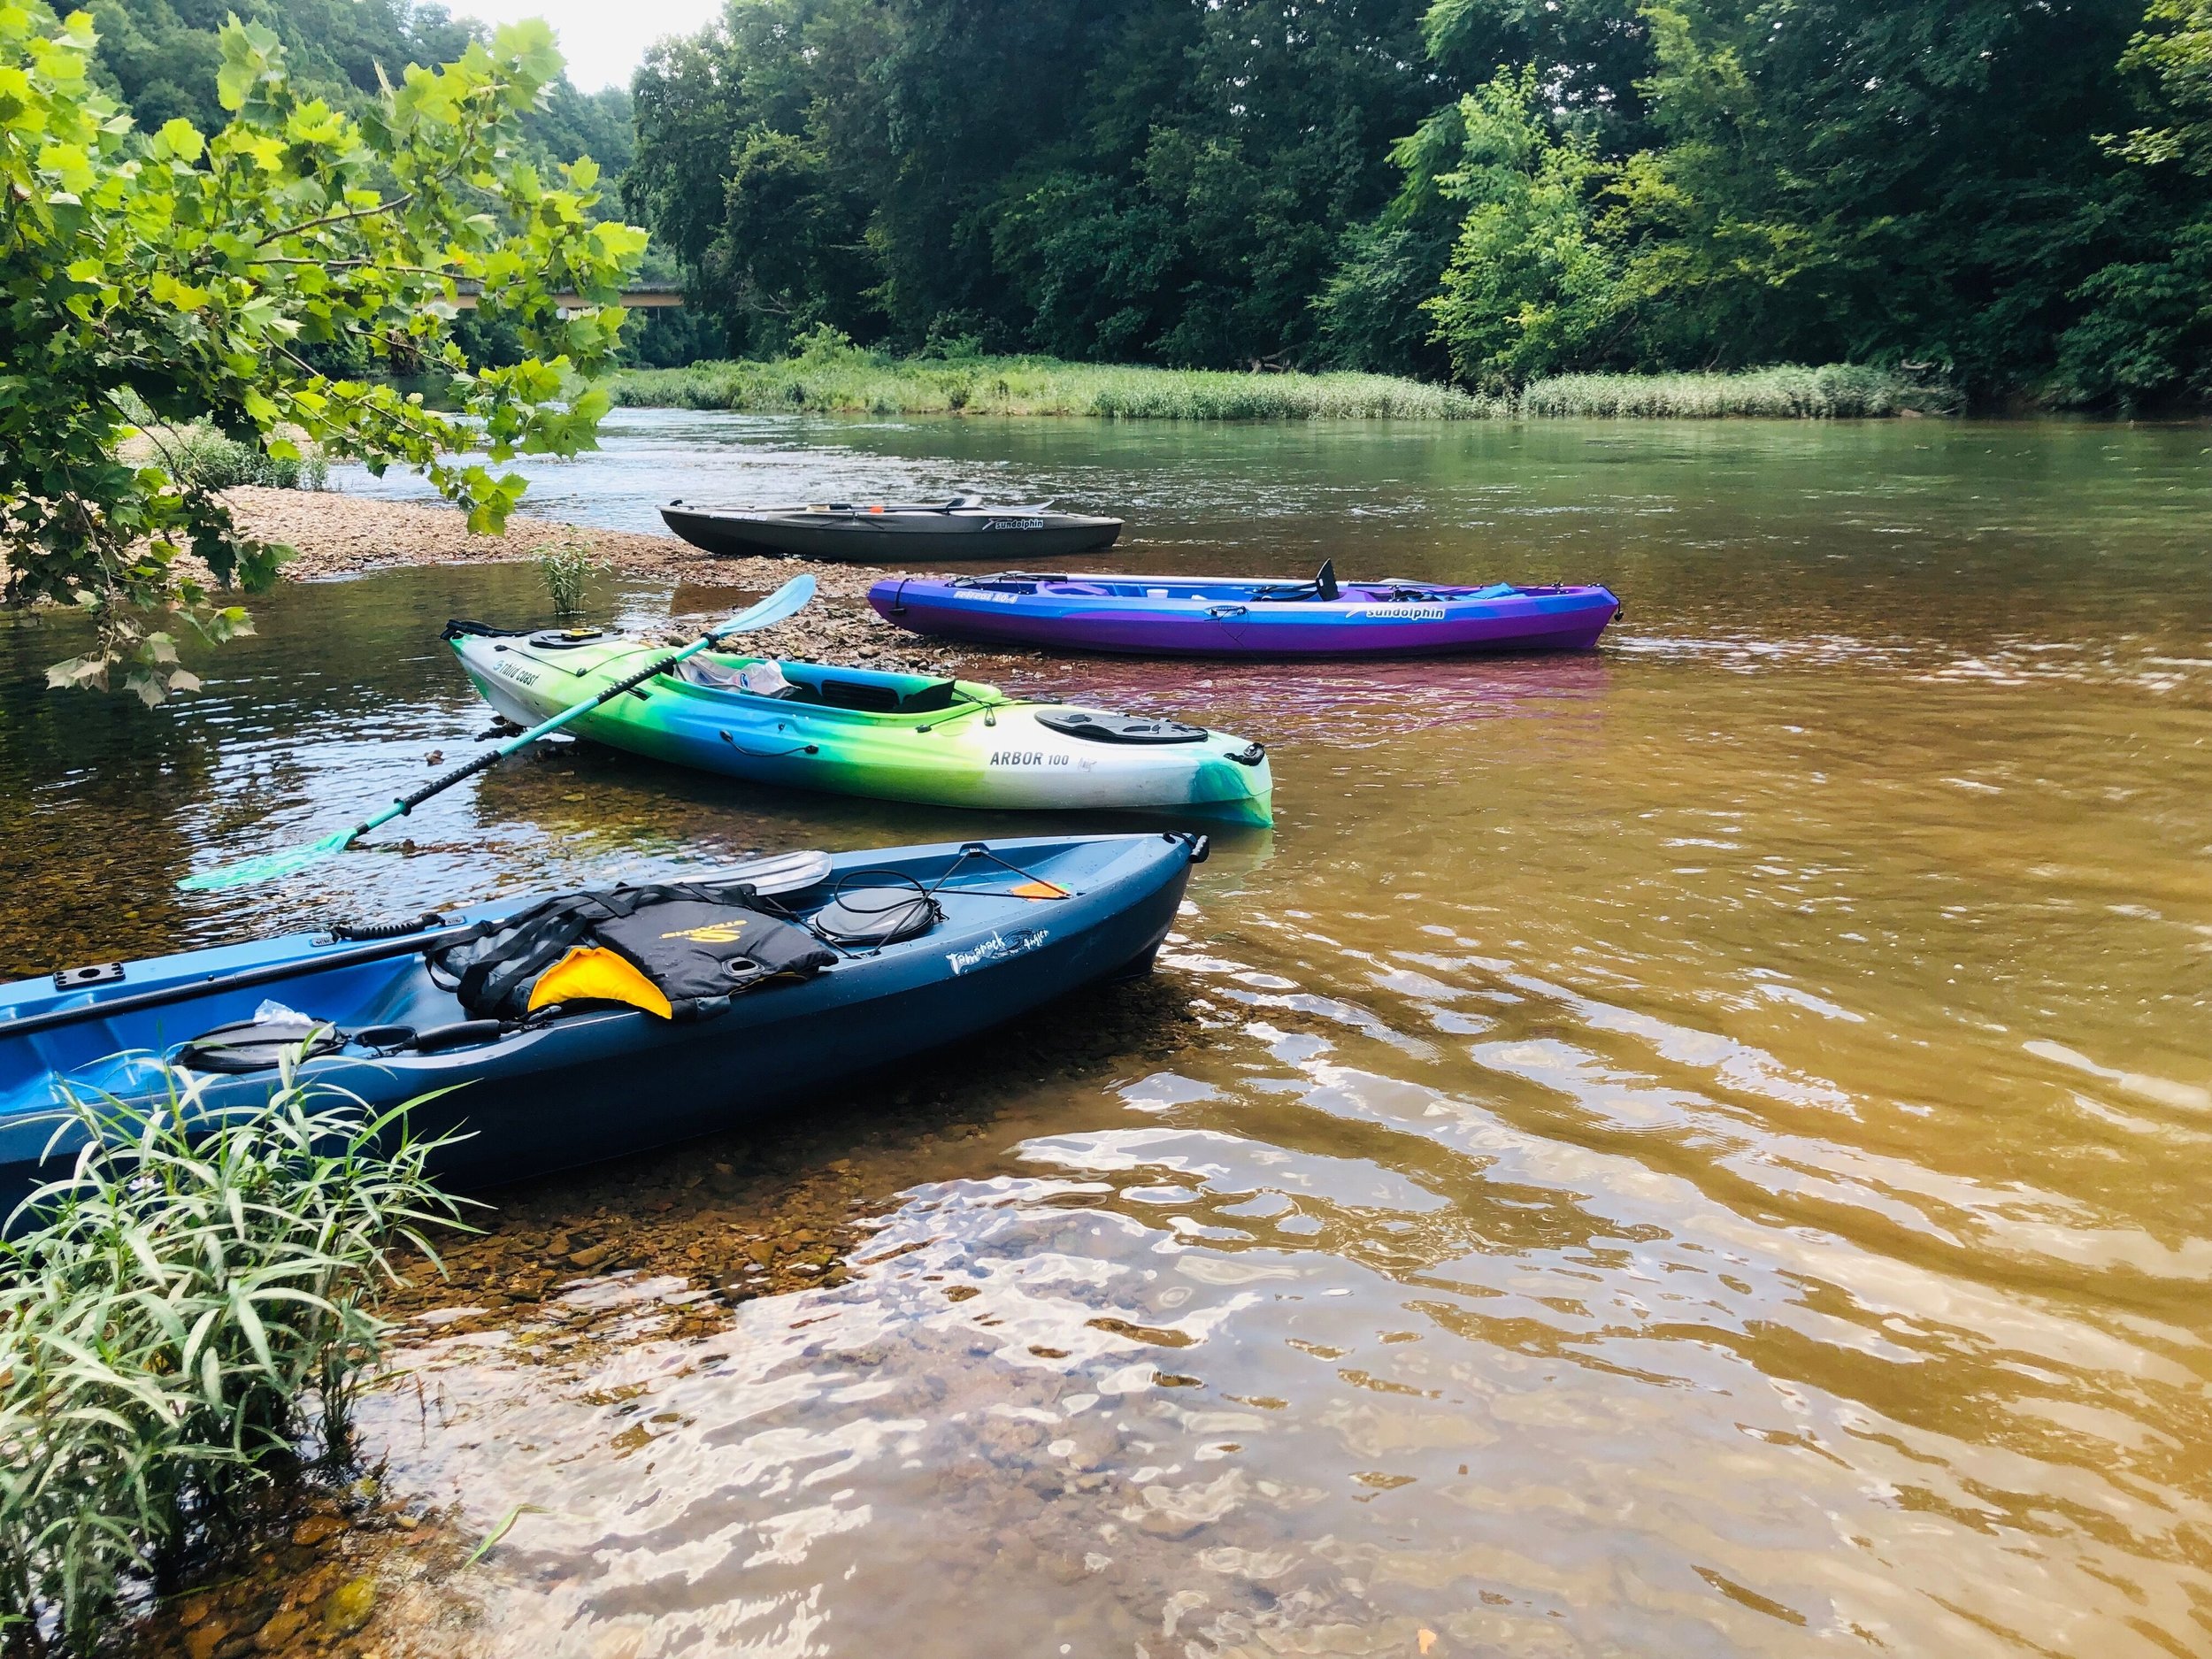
[1705, 1149]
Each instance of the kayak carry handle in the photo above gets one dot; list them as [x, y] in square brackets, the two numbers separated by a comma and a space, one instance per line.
[392, 927]
[1199, 846]
[239, 979]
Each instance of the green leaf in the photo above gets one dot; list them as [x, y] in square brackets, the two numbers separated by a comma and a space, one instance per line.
[178, 138]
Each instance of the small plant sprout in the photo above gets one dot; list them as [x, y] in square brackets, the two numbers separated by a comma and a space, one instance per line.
[567, 566]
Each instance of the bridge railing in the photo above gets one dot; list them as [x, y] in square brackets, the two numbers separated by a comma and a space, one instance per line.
[647, 296]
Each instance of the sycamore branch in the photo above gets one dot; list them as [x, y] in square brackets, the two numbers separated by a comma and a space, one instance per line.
[397, 203]
[340, 218]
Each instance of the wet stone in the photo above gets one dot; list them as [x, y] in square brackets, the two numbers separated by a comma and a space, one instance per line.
[272, 1636]
[316, 1528]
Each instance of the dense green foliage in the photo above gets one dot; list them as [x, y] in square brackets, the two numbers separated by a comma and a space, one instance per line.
[200, 457]
[1131, 178]
[160, 58]
[245, 277]
[2016, 199]
[179, 1314]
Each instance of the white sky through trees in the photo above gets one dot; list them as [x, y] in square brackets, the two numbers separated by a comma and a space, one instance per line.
[604, 40]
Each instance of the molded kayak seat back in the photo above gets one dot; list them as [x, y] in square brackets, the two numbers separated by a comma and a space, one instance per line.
[869, 696]
[1120, 728]
[256, 1045]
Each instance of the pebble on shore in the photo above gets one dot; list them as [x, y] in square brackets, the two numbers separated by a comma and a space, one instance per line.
[335, 535]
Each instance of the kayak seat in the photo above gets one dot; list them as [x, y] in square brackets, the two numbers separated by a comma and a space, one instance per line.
[931, 698]
[1323, 586]
[1078, 587]
[863, 917]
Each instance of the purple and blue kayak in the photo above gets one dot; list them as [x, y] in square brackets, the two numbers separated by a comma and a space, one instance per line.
[1211, 616]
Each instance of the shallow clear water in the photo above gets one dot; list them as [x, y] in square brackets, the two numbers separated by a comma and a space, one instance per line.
[1702, 1148]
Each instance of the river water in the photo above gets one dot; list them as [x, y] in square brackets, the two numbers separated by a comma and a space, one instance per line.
[1702, 1148]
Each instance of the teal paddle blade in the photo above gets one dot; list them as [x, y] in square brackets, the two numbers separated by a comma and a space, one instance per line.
[268, 867]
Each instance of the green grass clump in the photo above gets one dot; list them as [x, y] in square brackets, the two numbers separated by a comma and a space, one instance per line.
[568, 566]
[1832, 392]
[177, 1318]
[845, 381]
[202, 457]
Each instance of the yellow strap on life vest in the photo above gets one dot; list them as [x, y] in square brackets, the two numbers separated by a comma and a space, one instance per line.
[589, 974]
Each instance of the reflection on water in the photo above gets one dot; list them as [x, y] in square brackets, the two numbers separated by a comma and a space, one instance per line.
[1701, 1149]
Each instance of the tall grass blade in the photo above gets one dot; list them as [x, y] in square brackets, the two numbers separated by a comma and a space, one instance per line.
[177, 1316]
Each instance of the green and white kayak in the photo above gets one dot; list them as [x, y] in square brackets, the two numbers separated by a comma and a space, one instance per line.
[897, 737]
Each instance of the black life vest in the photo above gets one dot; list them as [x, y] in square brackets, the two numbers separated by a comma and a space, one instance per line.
[699, 945]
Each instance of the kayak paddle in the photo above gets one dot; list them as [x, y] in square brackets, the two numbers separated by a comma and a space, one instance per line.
[786, 600]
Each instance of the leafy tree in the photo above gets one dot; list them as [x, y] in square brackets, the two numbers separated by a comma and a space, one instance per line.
[2148, 330]
[192, 276]
[160, 58]
[1370, 309]
[1591, 58]
[2176, 53]
[1532, 288]
[747, 168]
[1094, 178]
[1883, 179]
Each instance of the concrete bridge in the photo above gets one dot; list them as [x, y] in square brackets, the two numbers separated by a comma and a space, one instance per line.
[646, 296]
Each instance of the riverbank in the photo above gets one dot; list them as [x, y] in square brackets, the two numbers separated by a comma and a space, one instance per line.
[337, 535]
[854, 382]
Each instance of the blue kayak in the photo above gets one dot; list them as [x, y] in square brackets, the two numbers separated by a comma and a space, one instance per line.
[1007, 925]
[1241, 616]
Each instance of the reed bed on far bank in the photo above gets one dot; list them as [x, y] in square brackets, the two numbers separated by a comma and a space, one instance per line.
[203, 458]
[861, 384]
[850, 381]
[1835, 391]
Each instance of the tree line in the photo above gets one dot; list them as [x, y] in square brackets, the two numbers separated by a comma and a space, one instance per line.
[2014, 195]
[160, 58]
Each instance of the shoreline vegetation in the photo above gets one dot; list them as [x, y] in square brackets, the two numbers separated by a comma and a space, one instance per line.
[187, 1317]
[846, 380]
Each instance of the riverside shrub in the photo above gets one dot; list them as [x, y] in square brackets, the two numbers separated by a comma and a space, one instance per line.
[251, 277]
